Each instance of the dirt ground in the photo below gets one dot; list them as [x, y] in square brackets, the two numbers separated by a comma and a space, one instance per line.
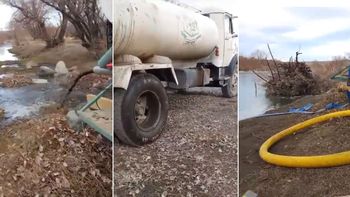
[269, 180]
[71, 52]
[195, 155]
[43, 156]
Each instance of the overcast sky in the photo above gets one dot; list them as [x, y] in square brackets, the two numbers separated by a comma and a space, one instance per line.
[5, 15]
[319, 32]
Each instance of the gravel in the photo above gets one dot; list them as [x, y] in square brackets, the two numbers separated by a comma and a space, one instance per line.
[195, 155]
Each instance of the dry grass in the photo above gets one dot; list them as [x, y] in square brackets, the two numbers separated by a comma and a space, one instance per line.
[15, 81]
[252, 63]
[5, 36]
[327, 69]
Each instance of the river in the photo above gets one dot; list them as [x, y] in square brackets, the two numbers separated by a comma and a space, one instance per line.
[253, 100]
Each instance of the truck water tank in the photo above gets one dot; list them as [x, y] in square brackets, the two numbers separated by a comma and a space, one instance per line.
[144, 28]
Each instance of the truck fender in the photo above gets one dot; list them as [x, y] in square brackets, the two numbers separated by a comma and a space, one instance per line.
[232, 66]
[122, 75]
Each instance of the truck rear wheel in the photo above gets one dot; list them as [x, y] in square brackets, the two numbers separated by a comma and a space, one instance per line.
[141, 111]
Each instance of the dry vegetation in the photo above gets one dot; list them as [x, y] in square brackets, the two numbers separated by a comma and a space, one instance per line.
[15, 81]
[71, 52]
[44, 157]
[322, 69]
[5, 36]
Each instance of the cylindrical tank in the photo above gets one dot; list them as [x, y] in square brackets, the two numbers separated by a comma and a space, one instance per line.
[144, 28]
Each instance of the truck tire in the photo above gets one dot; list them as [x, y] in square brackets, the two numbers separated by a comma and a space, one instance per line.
[141, 111]
[228, 90]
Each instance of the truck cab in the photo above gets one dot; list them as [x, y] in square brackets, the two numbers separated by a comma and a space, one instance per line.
[226, 54]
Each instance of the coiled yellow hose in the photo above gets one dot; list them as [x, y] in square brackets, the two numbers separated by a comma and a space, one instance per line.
[320, 161]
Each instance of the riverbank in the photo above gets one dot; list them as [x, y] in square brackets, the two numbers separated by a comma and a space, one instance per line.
[270, 180]
[33, 52]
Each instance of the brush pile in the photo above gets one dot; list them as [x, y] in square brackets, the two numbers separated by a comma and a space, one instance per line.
[291, 78]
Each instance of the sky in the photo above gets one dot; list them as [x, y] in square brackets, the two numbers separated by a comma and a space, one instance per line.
[320, 33]
[5, 16]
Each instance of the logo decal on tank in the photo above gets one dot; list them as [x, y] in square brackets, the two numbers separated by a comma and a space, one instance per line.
[190, 31]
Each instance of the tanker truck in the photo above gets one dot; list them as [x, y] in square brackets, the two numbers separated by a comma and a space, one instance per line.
[160, 45]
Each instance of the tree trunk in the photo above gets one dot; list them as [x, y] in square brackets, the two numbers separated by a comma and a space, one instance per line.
[63, 29]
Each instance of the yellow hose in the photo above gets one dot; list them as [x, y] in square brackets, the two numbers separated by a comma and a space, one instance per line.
[319, 161]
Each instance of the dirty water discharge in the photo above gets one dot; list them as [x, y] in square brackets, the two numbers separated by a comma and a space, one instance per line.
[73, 85]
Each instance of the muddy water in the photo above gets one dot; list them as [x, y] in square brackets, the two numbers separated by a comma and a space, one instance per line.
[27, 101]
[5, 55]
[253, 100]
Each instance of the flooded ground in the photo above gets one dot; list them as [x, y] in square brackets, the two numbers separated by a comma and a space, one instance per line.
[40, 154]
[16, 105]
[5, 55]
[253, 100]
[28, 101]
[24, 101]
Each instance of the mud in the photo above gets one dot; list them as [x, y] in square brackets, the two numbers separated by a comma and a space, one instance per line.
[195, 155]
[270, 180]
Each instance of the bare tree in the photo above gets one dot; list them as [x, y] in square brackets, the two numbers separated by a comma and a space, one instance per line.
[85, 16]
[259, 54]
[33, 15]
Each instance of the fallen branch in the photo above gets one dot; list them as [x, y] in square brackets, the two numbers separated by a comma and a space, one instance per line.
[261, 77]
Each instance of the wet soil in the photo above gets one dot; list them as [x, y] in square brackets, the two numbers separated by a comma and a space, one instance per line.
[195, 155]
[270, 180]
